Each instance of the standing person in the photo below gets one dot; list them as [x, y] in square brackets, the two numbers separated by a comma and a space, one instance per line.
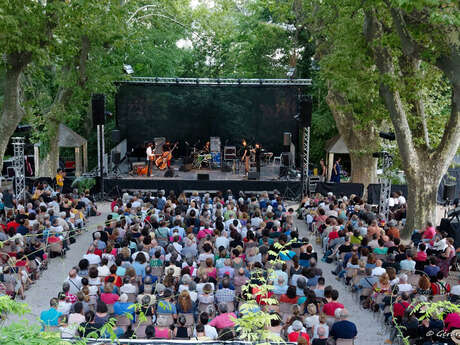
[335, 176]
[8, 201]
[258, 152]
[246, 156]
[150, 158]
[59, 180]
[323, 169]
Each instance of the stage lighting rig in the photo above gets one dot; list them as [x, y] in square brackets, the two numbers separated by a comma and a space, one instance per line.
[291, 73]
[128, 69]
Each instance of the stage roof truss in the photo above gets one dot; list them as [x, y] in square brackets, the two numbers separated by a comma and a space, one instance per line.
[217, 81]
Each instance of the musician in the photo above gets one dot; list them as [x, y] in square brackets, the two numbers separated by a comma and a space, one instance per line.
[207, 147]
[167, 148]
[258, 153]
[150, 158]
[246, 156]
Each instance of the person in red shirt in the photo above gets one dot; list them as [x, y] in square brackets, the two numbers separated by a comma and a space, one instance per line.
[429, 232]
[452, 321]
[12, 224]
[117, 280]
[108, 297]
[297, 332]
[333, 234]
[402, 303]
[330, 307]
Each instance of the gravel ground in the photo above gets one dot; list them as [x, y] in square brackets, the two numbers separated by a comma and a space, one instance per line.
[48, 286]
[370, 326]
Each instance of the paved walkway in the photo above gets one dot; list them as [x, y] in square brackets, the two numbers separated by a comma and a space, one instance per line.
[371, 330]
[50, 282]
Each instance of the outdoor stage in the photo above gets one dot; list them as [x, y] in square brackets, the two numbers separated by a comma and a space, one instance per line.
[219, 180]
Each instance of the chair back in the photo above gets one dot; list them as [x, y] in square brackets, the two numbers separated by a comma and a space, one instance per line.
[110, 308]
[132, 297]
[165, 320]
[189, 319]
[123, 321]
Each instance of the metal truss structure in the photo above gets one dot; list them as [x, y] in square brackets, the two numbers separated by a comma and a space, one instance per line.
[385, 186]
[19, 167]
[217, 81]
[306, 160]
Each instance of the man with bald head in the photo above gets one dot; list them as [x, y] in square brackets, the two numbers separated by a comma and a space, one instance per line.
[74, 281]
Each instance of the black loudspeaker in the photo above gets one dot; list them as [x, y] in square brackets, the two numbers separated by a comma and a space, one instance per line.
[116, 157]
[287, 137]
[455, 233]
[98, 109]
[169, 173]
[116, 136]
[202, 177]
[253, 175]
[285, 159]
[448, 192]
[306, 110]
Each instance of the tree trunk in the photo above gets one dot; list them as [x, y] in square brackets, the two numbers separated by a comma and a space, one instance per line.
[12, 112]
[50, 164]
[361, 141]
[421, 201]
[363, 168]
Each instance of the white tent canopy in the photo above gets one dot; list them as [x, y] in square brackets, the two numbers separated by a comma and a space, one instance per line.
[68, 138]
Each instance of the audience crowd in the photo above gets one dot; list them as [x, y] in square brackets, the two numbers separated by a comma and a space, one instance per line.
[32, 231]
[183, 267]
[390, 276]
[190, 264]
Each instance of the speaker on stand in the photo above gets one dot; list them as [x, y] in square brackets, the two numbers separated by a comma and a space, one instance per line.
[116, 160]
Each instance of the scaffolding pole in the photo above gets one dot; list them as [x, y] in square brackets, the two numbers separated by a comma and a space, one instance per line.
[19, 168]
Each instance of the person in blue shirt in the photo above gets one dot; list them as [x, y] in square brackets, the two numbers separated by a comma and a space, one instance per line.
[166, 304]
[122, 306]
[51, 317]
[343, 329]
[139, 264]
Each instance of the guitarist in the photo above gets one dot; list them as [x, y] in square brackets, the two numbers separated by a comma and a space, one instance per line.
[150, 158]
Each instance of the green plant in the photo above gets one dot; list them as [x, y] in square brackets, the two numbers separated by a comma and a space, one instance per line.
[84, 183]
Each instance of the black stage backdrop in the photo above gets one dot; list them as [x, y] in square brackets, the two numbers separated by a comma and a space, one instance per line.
[195, 113]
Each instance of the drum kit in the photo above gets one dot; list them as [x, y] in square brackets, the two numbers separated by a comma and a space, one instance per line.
[205, 157]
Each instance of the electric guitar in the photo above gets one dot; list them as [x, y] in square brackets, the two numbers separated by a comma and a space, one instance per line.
[162, 161]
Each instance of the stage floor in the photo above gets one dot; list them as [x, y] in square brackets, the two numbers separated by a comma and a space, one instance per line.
[218, 181]
[267, 173]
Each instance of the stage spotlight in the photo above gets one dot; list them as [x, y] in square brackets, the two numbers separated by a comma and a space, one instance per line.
[128, 69]
[387, 135]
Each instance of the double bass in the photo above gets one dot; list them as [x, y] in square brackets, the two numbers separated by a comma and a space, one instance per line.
[162, 161]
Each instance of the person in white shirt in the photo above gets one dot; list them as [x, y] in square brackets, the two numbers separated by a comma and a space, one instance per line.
[127, 287]
[74, 281]
[92, 258]
[150, 158]
[63, 306]
[378, 271]
[403, 286]
[222, 240]
[401, 199]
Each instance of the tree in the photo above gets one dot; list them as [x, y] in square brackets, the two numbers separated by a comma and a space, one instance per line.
[349, 109]
[26, 28]
[81, 60]
[415, 47]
